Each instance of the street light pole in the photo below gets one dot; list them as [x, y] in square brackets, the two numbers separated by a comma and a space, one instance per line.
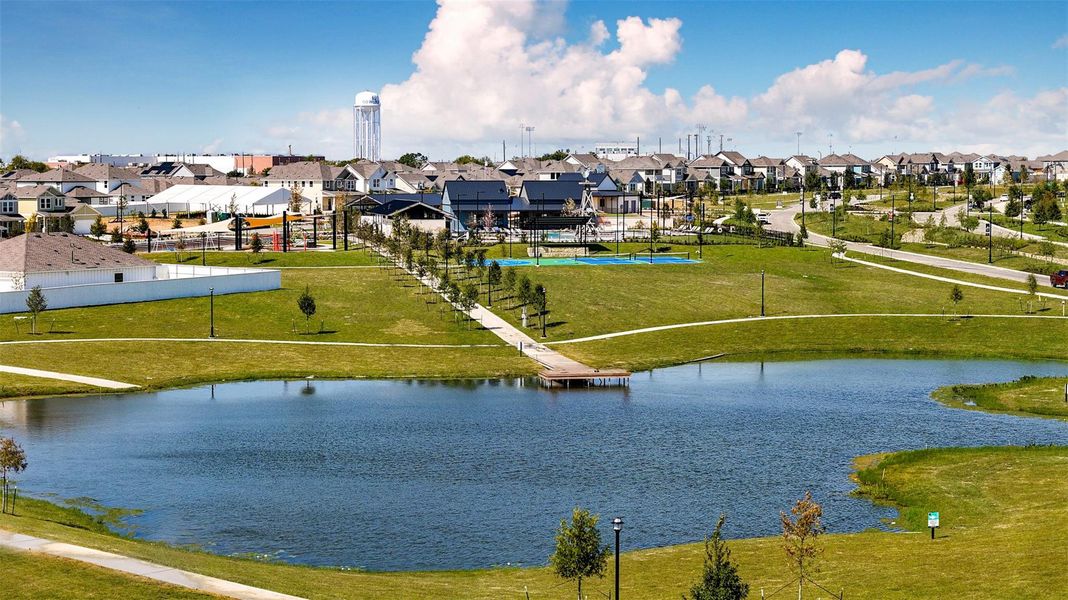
[212, 292]
[762, 292]
[990, 232]
[617, 525]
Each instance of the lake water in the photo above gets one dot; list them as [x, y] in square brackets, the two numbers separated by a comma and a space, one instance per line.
[428, 475]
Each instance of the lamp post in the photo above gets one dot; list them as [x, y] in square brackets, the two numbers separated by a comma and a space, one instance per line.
[617, 526]
[762, 292]
[990, 232]
[212, 292]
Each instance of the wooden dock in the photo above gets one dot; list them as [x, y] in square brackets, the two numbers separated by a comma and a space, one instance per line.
[579, 378]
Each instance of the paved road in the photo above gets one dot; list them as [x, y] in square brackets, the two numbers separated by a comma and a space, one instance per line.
[94, 381]
[133, 566]
[783, 220]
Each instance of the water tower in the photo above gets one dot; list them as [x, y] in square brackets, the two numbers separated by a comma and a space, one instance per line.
[366, 126]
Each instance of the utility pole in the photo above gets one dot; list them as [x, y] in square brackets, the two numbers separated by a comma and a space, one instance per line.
[798, 133]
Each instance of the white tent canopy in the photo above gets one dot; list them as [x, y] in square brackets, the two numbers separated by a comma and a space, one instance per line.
[248, 199]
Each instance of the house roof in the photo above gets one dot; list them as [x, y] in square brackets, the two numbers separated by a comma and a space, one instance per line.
[398, 206]
[16, 174]
[427, 198]
[732, 156]
[554, 191]
[83, 192]
[476, 191]
[56, 176]
[43, 252]
[764, 161]
[35, 191]
[105, 172]
[636, 162]
[303, 170]
[707, 162]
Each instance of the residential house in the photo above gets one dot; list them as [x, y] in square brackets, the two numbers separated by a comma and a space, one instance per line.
[310, 178]
[11, 221]
[62, 180]
[1055, 166]
[468, 201]
[419, 215]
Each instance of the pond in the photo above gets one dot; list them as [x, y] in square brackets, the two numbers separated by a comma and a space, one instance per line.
[400, 474]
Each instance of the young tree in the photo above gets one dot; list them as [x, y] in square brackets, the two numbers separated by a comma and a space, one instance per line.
[36, 304]
[176, 223]
[296, 201]
[470, 297]
[12, 459]
[488, 218]
[956, 296]
[128, 245]
[256, 245]
[540, 303]
[579, 553]
[116, 237]
[525, 289]
[306, 304]
[719, 580]
[98, 229]
[509, 280]
[493, 278]
[799, 534]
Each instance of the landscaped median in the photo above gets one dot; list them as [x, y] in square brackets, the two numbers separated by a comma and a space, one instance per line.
[1035, 396]
[1003, 533]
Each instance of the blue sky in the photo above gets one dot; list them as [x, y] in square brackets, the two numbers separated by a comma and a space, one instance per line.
[241, 76]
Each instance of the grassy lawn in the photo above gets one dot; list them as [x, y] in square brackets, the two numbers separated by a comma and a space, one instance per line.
[982, 255]
[1008, 499]
[1041, 396]
[835, 337]
[12, 385]
[159, 365]
[852, 227]
[970, 277]
[364, 305]
[35, 576]
[590, 300]
[1057, 233]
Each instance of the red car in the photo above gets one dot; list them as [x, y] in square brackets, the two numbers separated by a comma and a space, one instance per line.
[1059, 279]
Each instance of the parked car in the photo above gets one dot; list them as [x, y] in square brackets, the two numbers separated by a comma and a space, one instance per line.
[1059, 279]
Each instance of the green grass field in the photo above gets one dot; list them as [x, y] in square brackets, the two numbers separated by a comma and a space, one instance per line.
[583, 301]
[982, 255]
[1004, 530]
[1039, 396]
[852, 227]
[586, 301]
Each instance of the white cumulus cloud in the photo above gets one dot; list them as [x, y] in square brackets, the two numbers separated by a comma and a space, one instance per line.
[484, 67]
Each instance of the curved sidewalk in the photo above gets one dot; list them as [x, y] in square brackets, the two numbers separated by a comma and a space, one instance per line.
[141, 568]
[606, 336]
[94, 381]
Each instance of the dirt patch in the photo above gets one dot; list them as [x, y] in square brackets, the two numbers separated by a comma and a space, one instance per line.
[408, 327]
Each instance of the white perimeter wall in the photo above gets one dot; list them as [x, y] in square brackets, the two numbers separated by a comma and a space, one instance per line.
[183, 281]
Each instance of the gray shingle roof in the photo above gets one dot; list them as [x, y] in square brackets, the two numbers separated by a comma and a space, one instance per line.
[42, 252]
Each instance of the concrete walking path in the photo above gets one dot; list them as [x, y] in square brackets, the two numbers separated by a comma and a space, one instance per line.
[607, 336]
[133, 566]
[546, 356]
[94, 381]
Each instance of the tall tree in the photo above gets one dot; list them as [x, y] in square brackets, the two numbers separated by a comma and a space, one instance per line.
[719, 579]
[416, 160]
[579, 553]
[557, 155]
[541, 304]
[800, 534]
